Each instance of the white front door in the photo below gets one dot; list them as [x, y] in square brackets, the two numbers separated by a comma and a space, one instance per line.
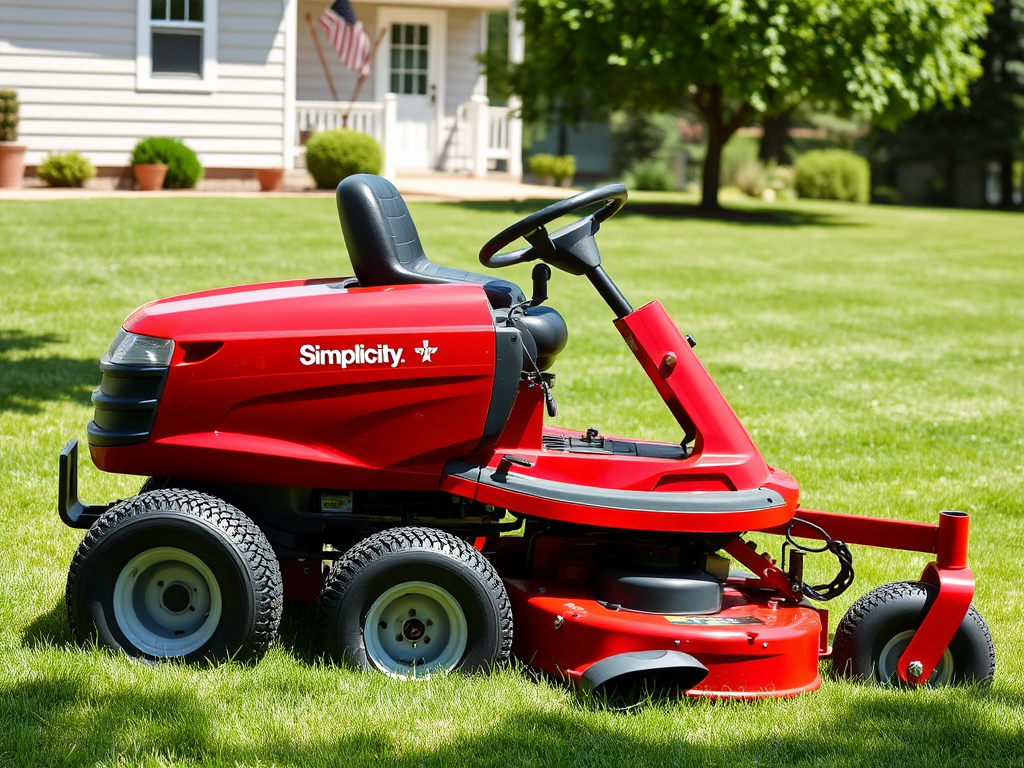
[410, 64]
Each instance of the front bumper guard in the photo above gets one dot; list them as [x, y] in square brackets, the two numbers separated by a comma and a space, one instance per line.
[73, 512]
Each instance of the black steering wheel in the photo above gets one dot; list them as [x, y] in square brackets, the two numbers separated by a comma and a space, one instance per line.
[571, 248]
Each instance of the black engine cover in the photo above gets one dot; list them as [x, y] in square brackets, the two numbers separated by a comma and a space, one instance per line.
[687, 592]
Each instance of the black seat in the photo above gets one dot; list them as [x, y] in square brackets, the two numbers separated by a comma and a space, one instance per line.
[385, 248]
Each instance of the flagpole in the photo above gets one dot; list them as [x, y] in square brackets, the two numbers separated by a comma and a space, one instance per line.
[323, 61]
[362, 77]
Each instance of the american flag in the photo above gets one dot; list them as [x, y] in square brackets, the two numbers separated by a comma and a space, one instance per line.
[347, 36]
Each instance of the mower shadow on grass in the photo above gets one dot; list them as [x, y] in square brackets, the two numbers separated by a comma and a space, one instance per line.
[297, 634]
[69, 718]
[49, 630]
[26, 383]
[787, 217]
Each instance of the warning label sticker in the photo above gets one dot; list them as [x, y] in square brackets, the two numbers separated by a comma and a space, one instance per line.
[713, 621]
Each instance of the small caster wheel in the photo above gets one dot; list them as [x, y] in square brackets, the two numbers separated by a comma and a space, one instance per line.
[876, 630]
[412, 602]
[176, 574]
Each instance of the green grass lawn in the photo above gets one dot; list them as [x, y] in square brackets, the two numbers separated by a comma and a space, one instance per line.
[875, 353]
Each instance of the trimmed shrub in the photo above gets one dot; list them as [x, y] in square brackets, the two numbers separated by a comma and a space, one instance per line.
[650, 175]
[833, 174]
[334, 155]
[752, 178]
[769, 182]
[183, 167]
[68, 170]
[8, 115]
[738, 152]
[540, 165]
[557, 167]
[563, 169]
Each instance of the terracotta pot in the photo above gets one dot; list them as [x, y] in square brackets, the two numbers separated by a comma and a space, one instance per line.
[150, 177]
[270, 179]
[12, 165]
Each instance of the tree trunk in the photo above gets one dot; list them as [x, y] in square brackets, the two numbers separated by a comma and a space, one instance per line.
[775, 139]
[563, 138]
[1006, 181]
[709, 102]
[712, 169]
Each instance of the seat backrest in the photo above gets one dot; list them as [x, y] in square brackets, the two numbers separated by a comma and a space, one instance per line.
[385, 248]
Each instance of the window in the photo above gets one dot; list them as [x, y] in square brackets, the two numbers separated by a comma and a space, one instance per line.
[409, 46]
[176, 45]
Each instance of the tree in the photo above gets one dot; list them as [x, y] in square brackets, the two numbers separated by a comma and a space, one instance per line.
[988, 129]
[729, 59]
[774, 147]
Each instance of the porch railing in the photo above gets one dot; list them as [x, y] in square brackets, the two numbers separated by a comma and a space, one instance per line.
[480, 134]
[376, 118]
[364, 116]
[497, 133]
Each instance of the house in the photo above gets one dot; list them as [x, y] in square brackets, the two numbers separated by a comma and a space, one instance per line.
[241, 82]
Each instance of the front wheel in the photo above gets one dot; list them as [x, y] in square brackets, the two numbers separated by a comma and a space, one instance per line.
[412, 602]
[877, 629]
[176, 574]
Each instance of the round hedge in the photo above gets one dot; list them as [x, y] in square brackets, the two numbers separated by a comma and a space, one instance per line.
[833, 174]
[333, 155]
[67, 170]
[183, 168]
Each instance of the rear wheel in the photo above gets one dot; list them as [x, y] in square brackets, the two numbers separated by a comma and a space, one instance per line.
[176, 574]
[412, 602]
[877, 629]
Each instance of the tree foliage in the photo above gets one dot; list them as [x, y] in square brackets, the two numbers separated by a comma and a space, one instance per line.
[990, 128]
[729, 59]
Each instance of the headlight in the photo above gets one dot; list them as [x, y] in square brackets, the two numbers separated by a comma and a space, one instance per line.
[133, 349]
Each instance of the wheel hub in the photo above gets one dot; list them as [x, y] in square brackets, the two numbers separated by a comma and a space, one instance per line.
[415, 629]
[167, 602]
[889, 658]
[176, 598]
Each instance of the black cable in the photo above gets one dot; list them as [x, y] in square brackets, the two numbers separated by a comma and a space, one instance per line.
[842, 580]
[549, 399]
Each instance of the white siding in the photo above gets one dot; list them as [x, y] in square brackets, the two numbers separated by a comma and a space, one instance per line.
[464, 45]
[74, 70]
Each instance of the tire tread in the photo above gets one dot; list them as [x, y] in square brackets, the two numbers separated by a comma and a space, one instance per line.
[247, 537]
[395, 540]
[844, 643]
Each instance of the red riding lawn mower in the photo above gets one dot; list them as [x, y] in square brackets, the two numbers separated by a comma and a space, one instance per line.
[392, 424]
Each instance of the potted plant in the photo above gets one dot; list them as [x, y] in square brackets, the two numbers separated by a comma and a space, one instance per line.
[148, 165]
[270, 179]
[540, 167]
[175, 166]
[553, 169]
[563, 169]
[12, 154]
